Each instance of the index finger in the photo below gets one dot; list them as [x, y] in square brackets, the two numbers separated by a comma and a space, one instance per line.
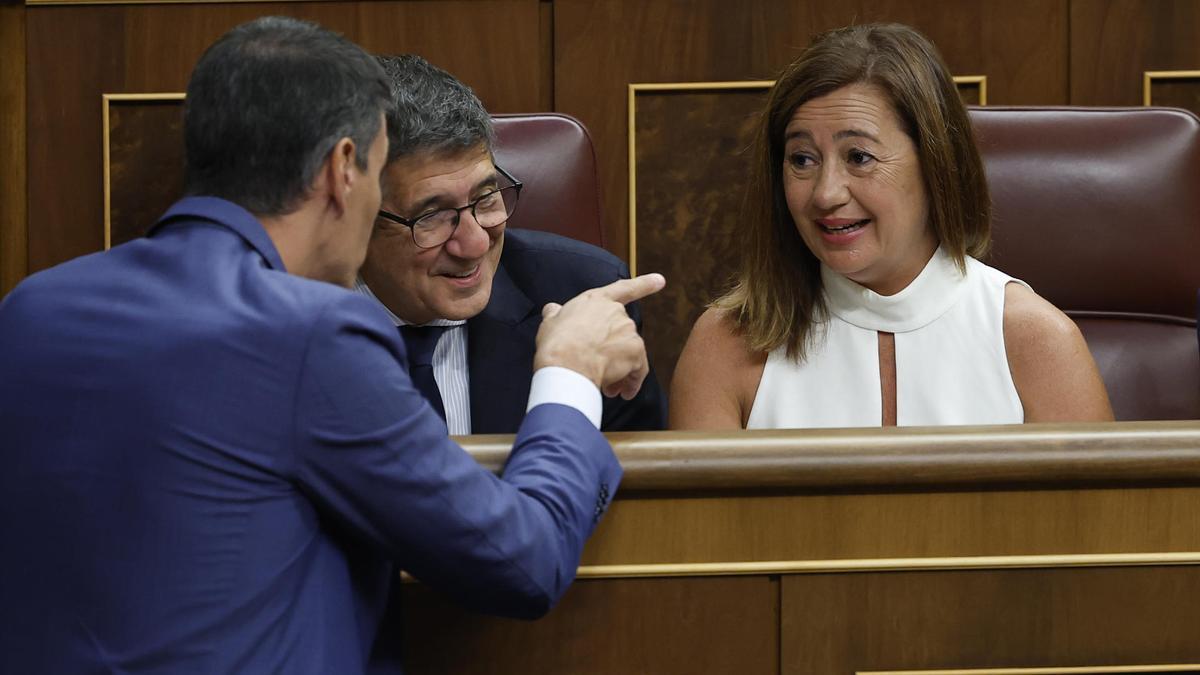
[626, 291]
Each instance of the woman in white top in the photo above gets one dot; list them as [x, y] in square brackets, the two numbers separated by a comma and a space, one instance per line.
[860, 300]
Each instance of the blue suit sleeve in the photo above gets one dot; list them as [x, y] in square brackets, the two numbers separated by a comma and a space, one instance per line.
[374, 457]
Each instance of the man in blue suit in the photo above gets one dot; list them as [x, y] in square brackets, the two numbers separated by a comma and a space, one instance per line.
[214, 457]
[473, 287]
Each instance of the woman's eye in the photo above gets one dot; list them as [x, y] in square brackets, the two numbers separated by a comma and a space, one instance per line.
[800, 160]
[859, 158]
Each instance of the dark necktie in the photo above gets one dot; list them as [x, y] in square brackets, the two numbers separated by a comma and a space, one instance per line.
[421, 341]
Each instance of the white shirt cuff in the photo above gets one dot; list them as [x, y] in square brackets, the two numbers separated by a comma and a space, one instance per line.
[554, 384]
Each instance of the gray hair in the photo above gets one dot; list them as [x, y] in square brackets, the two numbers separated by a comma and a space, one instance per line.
[432, 111]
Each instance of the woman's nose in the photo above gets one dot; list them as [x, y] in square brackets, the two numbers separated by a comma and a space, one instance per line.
[832, 189]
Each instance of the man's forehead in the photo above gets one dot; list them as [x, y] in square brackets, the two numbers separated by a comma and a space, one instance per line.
[426, 173]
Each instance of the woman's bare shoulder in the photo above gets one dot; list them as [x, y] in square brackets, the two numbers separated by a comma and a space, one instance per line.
[1034, 323]
[716, 376]
[1051, 365]
[716, 333]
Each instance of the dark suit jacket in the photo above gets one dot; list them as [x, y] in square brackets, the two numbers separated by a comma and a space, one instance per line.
[210, 465]
[537, 268]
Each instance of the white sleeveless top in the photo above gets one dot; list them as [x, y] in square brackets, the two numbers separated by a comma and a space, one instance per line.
[951, 365]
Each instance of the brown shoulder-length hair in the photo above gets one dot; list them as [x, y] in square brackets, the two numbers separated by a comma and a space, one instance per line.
[776, 297]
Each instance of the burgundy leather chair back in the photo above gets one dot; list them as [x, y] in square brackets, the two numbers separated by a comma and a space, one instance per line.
[1099, 211]
[552, 155]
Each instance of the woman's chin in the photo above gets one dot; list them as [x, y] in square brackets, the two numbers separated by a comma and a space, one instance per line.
[850, 264]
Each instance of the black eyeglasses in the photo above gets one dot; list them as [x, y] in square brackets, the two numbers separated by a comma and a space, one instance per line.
[492, 208]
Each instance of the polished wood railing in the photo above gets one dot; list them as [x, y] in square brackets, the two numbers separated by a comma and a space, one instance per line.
[1030, 454]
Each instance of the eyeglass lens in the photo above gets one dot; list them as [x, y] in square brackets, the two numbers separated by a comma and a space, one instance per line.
[493, 209]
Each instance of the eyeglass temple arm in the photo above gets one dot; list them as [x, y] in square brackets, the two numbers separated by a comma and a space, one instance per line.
[509, 176]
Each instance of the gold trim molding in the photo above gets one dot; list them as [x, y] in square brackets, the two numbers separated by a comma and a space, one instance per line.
[106, 102]
[733, 569]
[886, 565]
[733, 85]
[1149, 76]
[978, 80]
[1080, 670]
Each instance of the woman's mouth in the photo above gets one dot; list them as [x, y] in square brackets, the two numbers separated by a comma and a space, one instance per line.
[842, 225]
[841, 231]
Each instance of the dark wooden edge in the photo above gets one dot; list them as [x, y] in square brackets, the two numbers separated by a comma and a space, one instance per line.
[1183, 321]
[1026, 456]
[14, 249]
[56, 3]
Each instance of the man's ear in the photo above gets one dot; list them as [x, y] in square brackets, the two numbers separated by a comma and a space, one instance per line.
[341, 172]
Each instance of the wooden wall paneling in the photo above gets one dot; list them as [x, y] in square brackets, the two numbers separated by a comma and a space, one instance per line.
[546, 57]
[13, 219]
[495, 47]
[64, 131]
[799, 528]
[661, 626]
[1113, 42]
[150, 2]
[78, 53]
[145, 162]
[601, 47]
[690, 208]
[1104, 617]
[1021, 47]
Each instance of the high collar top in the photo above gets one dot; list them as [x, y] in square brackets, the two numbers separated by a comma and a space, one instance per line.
[929, 296]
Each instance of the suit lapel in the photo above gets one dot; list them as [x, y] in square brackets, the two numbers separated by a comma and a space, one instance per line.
[500, 347]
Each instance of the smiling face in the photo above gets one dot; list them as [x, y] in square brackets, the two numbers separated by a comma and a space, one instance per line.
[450, 281]
[852, 180]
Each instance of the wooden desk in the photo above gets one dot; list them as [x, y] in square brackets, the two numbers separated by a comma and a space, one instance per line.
[844, 551]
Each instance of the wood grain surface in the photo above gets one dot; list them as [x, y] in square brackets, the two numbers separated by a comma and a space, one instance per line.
[990, 619]
[1114, 41]
[78, 53]
[146, 164]
[13, 246]
[664, 627]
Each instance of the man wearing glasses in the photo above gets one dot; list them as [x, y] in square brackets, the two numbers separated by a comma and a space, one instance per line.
[468, 314]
